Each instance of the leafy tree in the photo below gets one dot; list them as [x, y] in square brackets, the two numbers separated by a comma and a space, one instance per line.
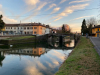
[84, 27]
[1, 22]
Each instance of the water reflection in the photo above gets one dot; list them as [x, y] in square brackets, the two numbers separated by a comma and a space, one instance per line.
[43, 59]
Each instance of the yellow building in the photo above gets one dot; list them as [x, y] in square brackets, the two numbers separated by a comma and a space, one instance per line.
[3, 29]
[96, 31]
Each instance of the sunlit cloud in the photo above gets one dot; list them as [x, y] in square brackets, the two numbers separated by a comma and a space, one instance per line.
[70, 10]
[51, 6]
[31, 2]
[55, 10]
[81, 17]
[0, 6]
[5, 18]
[58, 19]
[62, 1]
[41, 6]
[78, 1]
[8, 20]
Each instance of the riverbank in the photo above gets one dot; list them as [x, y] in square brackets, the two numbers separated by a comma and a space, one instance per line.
[84, 60]
[17, 39]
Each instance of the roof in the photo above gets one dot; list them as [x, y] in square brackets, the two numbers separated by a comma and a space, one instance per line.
[26, 24]
[98, 26]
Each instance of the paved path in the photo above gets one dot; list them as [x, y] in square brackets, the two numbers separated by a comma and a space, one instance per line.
[96, 42]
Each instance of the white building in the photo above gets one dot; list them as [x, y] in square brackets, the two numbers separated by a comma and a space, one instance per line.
[27, 28]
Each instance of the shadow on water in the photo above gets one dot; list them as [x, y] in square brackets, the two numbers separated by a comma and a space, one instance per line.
[34, 58]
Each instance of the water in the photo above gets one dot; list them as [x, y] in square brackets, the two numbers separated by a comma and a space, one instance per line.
[34, 61]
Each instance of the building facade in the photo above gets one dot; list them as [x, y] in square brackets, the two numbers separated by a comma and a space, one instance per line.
[27, 28]
[96, 31]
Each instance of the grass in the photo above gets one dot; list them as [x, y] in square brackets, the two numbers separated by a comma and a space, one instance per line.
[19, 38]
[84, 60]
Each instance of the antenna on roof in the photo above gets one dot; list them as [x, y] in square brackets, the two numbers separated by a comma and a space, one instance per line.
[20, 22]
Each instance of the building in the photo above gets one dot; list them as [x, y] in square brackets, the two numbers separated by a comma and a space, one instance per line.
[96, 31]
[48, 29]
[26, 28]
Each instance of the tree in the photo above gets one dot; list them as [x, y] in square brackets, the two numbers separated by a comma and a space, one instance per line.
[1, 22]
[63, 29]
[90, 23]
[84, 27]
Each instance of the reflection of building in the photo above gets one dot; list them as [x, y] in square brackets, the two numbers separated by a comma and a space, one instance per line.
[38, 51]
[34, 51]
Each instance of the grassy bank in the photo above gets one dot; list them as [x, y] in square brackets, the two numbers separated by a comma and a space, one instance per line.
[84, 60]
[19, 38]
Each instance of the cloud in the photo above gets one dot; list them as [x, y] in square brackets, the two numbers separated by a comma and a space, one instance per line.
[78, 1]
[70, 10]
[41, 6]
[8, 20]
[51, 6]
[31, 2]
[81, 17]
[31, 16]
[5, 18]
[55, 10]
[0, 6]
[62, 1]
[58, 18]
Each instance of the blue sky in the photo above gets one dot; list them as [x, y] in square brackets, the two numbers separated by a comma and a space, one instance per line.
[53, 12]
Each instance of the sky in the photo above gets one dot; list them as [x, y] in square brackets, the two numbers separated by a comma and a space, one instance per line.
[52, 12]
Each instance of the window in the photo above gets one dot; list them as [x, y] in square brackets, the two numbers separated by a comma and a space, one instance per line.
[34, 51]
[27, 27]
[35, 27]
[31, 32]
[98, 29]
[31, 27]
[34, 32]
[24, 27]
[18, 27]
[14, 27]
[11, 27]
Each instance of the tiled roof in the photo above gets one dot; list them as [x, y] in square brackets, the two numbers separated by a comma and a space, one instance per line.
[98, 26]
[26, 24]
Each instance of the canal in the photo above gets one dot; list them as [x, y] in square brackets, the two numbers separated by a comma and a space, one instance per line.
[37, 59]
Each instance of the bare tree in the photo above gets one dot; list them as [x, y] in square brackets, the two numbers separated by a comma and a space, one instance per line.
[90, 23]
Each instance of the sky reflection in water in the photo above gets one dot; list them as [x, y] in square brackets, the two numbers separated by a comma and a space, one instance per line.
[33, 61]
